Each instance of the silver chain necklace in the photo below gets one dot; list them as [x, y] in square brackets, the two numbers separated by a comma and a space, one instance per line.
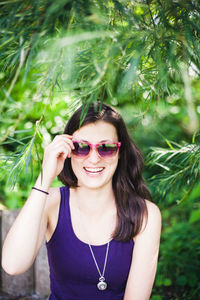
[102, 285]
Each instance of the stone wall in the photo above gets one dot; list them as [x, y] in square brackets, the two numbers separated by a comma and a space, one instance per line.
[35, 281]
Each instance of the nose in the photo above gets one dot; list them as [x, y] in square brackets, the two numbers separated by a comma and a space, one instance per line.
[94, 156]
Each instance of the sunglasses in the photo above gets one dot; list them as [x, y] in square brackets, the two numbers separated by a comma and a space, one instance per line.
[105, 150]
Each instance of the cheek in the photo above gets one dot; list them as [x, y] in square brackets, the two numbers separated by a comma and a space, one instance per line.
[75, 165]
[116, 165]
[113, 166]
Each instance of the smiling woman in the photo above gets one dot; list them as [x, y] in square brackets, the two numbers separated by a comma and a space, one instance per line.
[102, 234]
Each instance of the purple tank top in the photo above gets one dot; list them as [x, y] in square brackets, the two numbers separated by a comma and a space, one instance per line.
[73, 273]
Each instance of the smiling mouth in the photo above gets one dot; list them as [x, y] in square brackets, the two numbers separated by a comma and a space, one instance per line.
[93, 170]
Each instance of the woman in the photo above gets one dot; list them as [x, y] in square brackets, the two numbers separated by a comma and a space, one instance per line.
[102, 235]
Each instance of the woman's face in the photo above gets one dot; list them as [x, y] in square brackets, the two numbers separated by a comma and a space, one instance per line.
[94, 171]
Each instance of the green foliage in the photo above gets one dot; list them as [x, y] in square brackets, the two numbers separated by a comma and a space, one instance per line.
[179, 262]
[180, 168]
[113, 50]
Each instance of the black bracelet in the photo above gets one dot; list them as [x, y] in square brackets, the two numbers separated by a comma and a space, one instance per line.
[34, 188]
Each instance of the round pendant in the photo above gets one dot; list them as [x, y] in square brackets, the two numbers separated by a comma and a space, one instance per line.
[102, 285]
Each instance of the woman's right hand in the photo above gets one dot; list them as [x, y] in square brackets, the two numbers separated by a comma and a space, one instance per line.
[54, 156]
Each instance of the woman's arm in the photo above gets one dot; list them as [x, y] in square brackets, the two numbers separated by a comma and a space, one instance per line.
[145, 256]
[26, 234]
[28, 231]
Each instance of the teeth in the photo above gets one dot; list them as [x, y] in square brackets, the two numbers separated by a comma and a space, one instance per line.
[94, 170]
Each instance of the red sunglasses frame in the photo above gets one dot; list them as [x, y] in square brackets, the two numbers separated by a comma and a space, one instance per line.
[95, 146]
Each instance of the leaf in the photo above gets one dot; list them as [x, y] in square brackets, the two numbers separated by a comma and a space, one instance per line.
[195, 216]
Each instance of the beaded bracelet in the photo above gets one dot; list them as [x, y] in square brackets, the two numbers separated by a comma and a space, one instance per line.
[34, 188]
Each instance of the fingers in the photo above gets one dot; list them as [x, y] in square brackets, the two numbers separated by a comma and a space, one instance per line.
[61, 145]
[66, 141]
[64, 137]
[55, 155]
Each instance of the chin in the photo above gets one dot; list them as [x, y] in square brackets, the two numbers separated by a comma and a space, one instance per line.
[93, 185]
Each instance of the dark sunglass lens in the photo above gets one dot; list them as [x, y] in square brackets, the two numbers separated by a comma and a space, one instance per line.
[81, 149]
[107, 149]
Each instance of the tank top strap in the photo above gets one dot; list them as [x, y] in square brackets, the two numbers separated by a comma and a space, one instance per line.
[64, 213]
[64, 220]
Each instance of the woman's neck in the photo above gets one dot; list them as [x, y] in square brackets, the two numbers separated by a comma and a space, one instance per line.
[94, 201]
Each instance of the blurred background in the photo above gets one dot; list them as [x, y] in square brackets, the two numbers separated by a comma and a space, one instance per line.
[142, 57]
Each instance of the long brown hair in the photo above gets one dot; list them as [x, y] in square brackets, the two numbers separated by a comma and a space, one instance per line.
[128, 184]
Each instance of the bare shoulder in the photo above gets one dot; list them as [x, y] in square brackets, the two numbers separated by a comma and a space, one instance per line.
[153, 211]
[52, 211]
[53, 199]
[151, 227]
[54, 193]
[153, 222]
